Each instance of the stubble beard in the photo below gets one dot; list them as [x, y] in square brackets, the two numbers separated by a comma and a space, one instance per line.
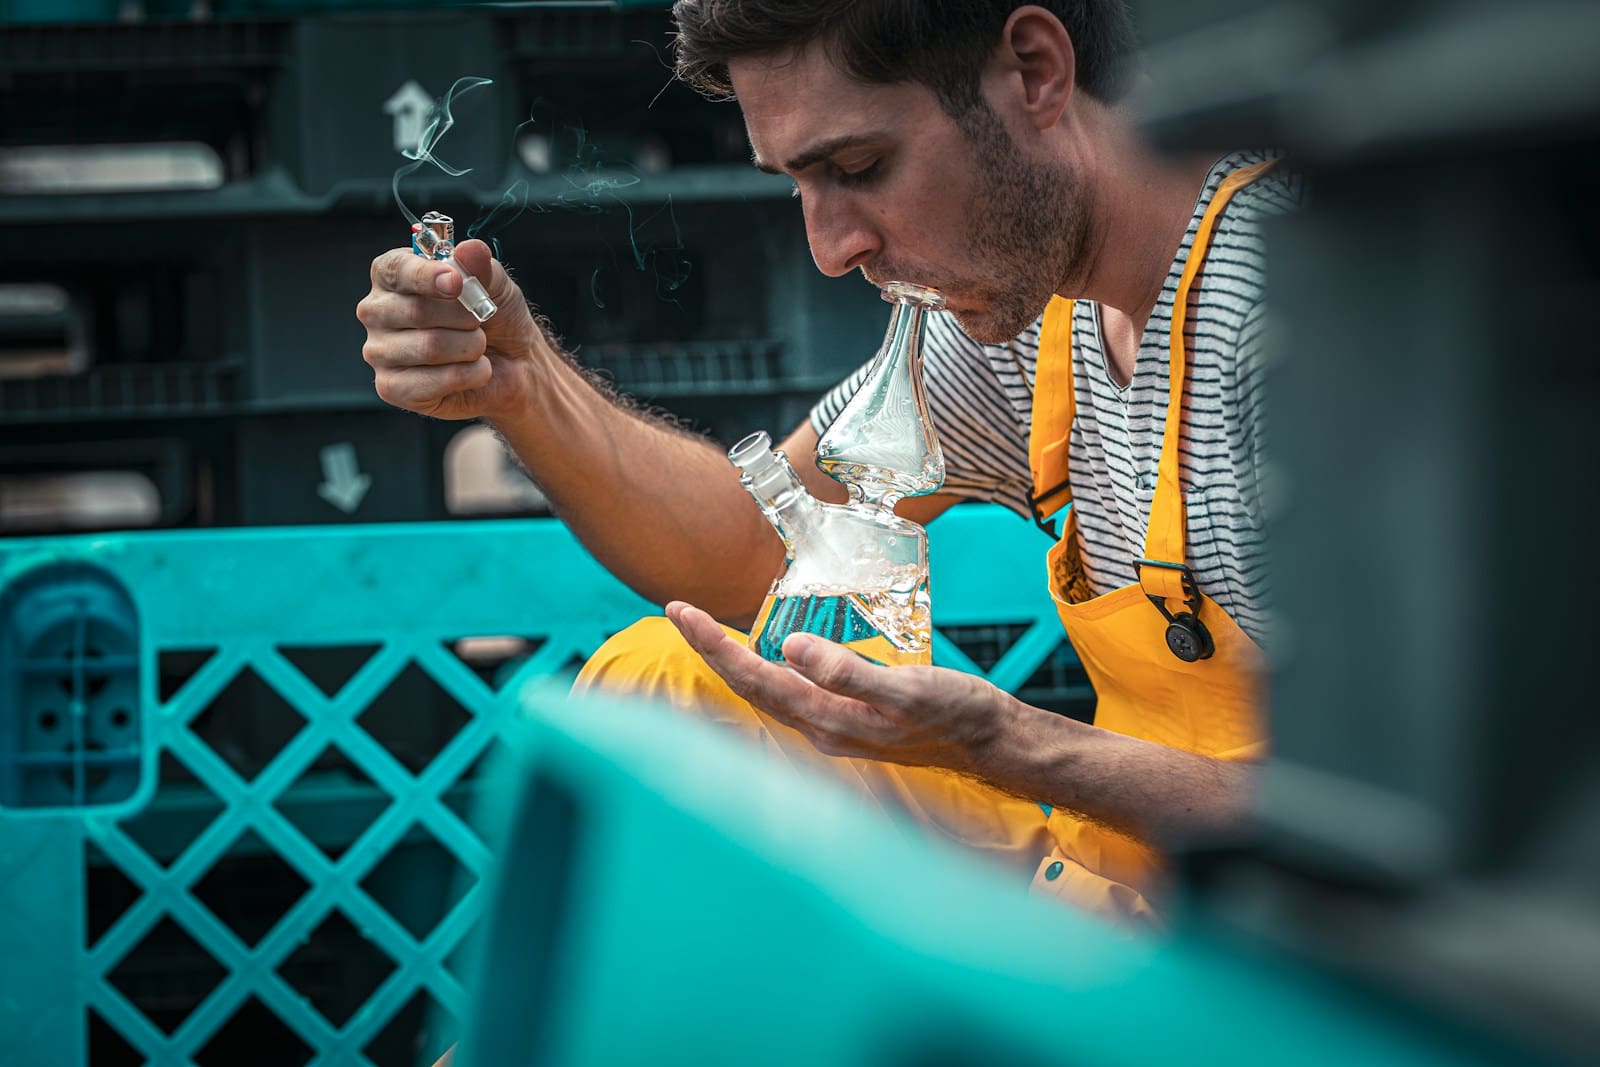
[1027, 235]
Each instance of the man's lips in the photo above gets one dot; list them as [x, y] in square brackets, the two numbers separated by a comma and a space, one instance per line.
[951, 301]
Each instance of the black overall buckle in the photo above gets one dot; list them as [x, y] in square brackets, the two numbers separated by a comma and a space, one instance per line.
[1041, 520]
[1187, 636]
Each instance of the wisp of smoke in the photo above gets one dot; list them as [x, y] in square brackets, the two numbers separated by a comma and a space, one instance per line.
[592, 181]
[440, 124]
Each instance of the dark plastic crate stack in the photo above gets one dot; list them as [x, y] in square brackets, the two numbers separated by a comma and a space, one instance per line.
[220, 345]
[59, 12]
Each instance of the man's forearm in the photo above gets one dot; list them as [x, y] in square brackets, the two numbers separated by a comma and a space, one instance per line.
[1146, 790]
[660, 508]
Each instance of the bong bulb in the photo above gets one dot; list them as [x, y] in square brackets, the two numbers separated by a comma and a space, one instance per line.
[883, 447]
[853, 574]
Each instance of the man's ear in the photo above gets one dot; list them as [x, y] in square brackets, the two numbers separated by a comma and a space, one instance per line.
[1036, 65]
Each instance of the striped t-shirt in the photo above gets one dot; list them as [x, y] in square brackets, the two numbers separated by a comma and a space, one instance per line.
[981, 400]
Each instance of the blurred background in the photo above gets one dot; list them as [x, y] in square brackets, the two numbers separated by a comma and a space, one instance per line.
[202, 190]
[191, 194]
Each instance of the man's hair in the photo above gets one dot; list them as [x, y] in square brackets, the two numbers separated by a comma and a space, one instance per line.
[942, 44]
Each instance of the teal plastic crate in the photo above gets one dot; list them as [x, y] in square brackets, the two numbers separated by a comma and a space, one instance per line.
[644, 915]
[255, 858]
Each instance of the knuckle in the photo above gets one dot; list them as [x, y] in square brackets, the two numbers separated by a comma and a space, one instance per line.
[432, 347]
[382, 273]
[829, 742]
[745, 683]
[740, 681]
[384, 385]
[386, 271]
[381, 310]
[833, 674]
[445, 345]
[462, 376]
[418, 393]
[407, 313]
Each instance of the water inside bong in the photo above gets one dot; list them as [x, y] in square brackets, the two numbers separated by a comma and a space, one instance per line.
[889, 626]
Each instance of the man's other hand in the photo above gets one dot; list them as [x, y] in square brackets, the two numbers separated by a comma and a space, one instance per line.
[846, 705]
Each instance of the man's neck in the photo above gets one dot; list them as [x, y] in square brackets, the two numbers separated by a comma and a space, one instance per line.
[1145, 204]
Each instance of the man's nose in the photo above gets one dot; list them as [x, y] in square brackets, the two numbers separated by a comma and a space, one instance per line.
[841, 238]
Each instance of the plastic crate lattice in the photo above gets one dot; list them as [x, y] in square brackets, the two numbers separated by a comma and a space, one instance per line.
[352, 615]
[333, 884]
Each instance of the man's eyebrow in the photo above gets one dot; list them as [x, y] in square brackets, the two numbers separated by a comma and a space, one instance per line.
[816, 153]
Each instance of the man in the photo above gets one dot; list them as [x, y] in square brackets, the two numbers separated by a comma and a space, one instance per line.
[1105, 349]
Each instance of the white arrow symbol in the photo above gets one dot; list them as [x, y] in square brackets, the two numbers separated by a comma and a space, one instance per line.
[410, 105]
[343, 483]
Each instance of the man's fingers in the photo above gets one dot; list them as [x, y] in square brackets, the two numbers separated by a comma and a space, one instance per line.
[401, 349]
[838, 670]
[774, 689]
[730, 659]
[476, 256]
[411, 313]
[423, 388]
[401, 270]
[698, 628]
[414, 292]
[479, 259]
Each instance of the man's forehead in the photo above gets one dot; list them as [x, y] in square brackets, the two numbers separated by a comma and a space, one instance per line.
[798, 104]
[782, 69]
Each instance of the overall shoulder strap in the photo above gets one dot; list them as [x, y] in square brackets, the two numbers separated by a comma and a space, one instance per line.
[1054, 405]
[1167, 576]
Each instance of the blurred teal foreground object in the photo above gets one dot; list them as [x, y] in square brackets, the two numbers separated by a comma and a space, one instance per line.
[117, 928]
[659, 901]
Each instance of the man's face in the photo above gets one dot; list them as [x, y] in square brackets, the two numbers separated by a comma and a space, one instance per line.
[893, 185]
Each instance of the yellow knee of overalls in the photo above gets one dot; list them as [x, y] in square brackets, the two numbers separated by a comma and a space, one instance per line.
[650, 659]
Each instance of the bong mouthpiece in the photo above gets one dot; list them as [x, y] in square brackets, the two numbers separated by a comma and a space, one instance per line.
[434, 237]
[882, 446]
[911, 293]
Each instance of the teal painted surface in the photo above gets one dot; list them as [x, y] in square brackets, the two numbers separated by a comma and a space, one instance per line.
[732, 917]
[245, 593]
[41, 898]
[407, 591]
[71, 641]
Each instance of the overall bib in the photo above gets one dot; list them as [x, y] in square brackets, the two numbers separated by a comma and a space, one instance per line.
[1209, 706]
[1212, 705]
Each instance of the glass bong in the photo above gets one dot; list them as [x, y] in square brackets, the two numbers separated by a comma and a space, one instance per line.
[856, 573]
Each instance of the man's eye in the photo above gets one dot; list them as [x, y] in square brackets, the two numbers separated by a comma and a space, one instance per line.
[858, 177]
[794, 190]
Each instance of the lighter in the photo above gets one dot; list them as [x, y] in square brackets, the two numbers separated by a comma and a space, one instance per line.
[435, 237]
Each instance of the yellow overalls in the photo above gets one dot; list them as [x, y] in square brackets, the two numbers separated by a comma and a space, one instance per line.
[1210, 706]
[1143, 689]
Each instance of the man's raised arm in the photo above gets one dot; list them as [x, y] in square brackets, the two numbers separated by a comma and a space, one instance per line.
[659, 507]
